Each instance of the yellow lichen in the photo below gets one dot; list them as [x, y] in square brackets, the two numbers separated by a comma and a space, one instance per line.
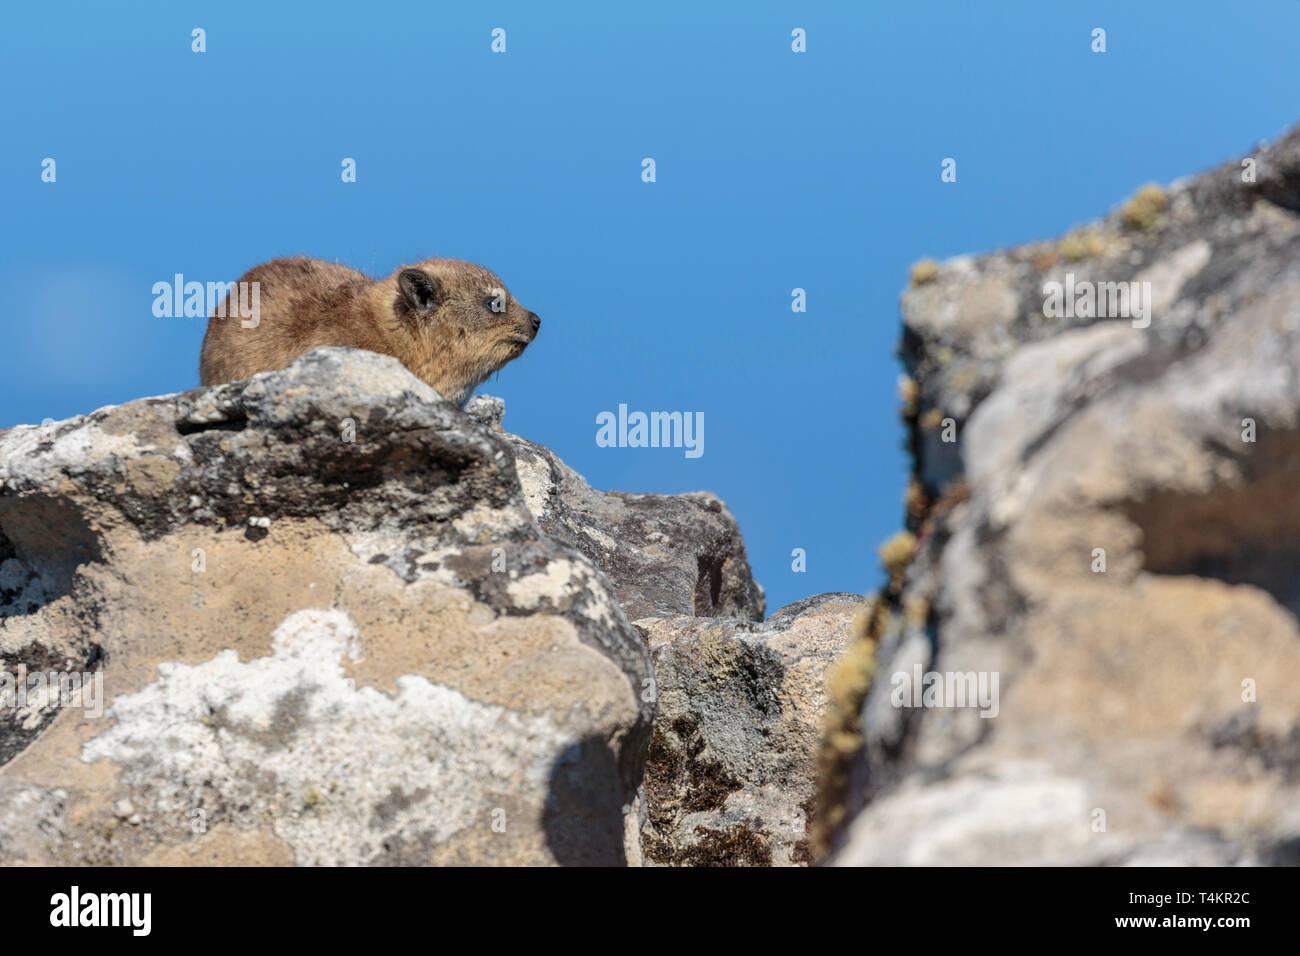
[1144, 209]
[896, 553]
[926, 270]
[847, 683]
[719, 654]
[1082, 244]
[908, 393]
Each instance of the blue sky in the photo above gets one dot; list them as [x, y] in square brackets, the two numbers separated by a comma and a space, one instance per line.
[775, 170]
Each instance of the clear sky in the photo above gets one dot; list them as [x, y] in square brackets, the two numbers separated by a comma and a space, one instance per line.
[775, 171]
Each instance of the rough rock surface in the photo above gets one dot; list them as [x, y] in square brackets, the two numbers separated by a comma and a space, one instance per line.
[336, 620]
[329, 631]
[1114, 533]
[665, 554]
[733, 761]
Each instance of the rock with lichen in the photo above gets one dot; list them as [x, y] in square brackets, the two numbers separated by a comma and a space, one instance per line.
[337, 620]
[664, 554]
[1112, 536]
[732, 767]
[328, 630]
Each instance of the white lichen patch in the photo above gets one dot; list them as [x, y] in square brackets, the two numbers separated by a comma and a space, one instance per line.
[483, 522]
[535, 479]
[555, 583]
[559, 583]
[27, 591]
[341, 769]
[599, 607]
[604, 540]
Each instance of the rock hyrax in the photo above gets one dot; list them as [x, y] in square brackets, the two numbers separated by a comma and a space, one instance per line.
[450, 322]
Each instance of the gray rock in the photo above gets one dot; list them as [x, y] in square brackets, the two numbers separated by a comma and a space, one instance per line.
[1147, 712]
[486, 409]
[665, 554]
[732, 771]
[328, 631]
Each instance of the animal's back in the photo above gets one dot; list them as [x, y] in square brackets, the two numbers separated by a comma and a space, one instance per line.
[302, 304]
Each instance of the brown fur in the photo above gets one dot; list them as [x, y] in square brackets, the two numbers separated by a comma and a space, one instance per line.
[436, 317]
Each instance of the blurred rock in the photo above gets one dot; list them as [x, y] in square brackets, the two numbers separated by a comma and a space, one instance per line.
[1148, 712]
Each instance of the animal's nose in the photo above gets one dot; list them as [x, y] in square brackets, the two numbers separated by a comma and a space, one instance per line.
[536, 322]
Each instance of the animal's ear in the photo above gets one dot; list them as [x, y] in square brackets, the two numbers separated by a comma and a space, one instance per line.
[418, 288]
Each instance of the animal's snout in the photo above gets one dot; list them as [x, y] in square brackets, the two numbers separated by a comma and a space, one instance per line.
[534, 321]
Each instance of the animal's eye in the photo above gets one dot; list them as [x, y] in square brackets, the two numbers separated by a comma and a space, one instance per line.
[496, 301]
